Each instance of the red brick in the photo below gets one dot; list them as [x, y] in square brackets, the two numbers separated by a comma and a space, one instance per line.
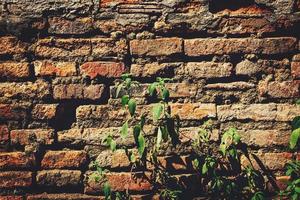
[102, 69]
[11, 198]
[295, 69]
[156, 47]
[59, 178]
[25, 136]
[13, 179]
[286, 89]
[120, 159]
[14, 70]
[220, 46]
[230, 86]
[258, 112]
[4, 133]
[44, 111]
[10, 45]
[271, 161]
[78, 91]
[51, 68]
[16, 160]
[13, 111]
[60, 25]
[120, 182]
[64, 196]
[64, 159]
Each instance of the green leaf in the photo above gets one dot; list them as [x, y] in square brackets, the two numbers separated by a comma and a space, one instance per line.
[125, 76]
[136, 132]
[165, 133]
[119, 88]
[124, 130]
[158, 138]
[113, 145]
[142, 122]
[296, 123]
[223, 149]
[152, 89]
[124, 100]
[196, 164]
[204, 168]
[141, 145]
[165, 94]
[107, 190]
[131, 106]
[298, 102]
[157, 110]
[297, 189]
[294, 138]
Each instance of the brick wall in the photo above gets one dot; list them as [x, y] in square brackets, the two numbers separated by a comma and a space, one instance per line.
[237, 63]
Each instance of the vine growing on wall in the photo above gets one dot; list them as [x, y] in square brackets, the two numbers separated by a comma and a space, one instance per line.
[220, 171]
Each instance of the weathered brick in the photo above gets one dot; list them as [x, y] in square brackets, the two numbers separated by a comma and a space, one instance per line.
[188, 111]
[190, 134]
[14, 70]
[59, 178]
[271, 161]
[174, 163]
[177, 90]
[194, 111]
[120, 159]
[242, 25]
[13, 179]
[265, 138]
[258, 112]
[63, 48]
[120, 182]
[13, 111]
[154, 69]
[127, 23]
[206, 70]
[16, 160]
[64, 196]
[39, 89]
[295, 69]
[94, 136]
[198, 47]
[27, 136]
[76, 26]
[4, 134]
[107, 48]
[52, 68]
[64, 159]
[230, 86]
[108, 3]
[286, 89]
[44, 111]
[10, 45]
[246, 67]
[14, 197]
[156, 47]
[78, 91]
[102, 69]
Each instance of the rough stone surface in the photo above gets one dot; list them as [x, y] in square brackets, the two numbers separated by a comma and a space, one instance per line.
[235, 63]
[58, 178]
[63, 159]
